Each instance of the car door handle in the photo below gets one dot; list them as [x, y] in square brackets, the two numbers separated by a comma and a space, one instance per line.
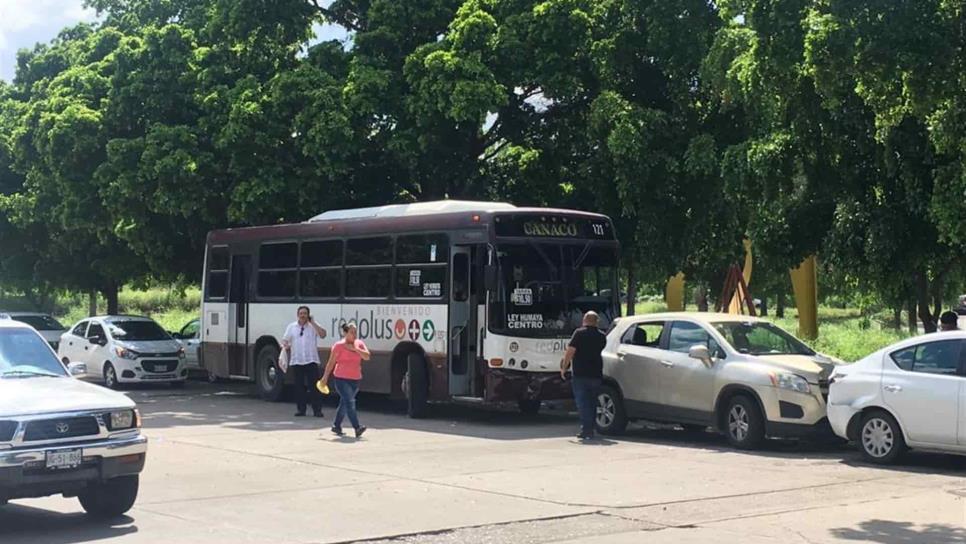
[893, 388]
[667, 364]
[621, 355]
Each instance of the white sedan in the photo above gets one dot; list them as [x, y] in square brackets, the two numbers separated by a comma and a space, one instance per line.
[909, 395]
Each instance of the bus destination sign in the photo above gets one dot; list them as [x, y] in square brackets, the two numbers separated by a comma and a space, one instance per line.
[553, 226]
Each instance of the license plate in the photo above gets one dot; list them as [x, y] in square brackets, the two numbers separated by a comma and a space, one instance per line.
[163, 368]
[64, 459]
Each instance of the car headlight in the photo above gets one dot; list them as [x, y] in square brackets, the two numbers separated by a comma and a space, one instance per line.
[125, 353]
[123, 419]
[792, 382]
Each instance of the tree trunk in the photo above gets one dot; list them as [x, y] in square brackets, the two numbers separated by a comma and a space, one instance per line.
[911, 317]
[92, 303]
[780, 305]
[922, 301]
[110, 295]
[701, 300]
[897, 318]
[631, 290]
[764, 306]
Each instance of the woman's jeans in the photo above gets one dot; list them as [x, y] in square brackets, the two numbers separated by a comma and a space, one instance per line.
[347, 389]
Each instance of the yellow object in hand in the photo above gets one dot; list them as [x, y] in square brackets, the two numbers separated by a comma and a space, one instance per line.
[322, 387]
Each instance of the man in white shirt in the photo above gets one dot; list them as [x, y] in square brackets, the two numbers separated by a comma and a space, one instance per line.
[301, 341]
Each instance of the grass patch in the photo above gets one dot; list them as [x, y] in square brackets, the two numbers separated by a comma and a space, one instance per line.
[171, 308]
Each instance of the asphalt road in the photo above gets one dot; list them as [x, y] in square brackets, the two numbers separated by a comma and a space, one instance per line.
[225, 467]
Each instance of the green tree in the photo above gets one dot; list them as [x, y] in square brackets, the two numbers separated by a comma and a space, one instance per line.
[900, 222]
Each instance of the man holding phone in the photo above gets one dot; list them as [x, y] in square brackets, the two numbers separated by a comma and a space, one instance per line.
[301, 341]
[583, 353]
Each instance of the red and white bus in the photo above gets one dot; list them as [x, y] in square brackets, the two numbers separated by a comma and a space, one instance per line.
[457, 300]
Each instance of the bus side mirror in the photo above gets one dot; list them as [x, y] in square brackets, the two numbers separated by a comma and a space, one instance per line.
[490, 277]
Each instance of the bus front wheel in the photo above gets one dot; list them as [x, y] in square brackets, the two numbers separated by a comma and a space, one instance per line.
[416, 386]
[268, 378]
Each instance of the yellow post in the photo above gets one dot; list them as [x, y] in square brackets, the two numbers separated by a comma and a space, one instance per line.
[805, 286]
[737, 305]
[674, 293]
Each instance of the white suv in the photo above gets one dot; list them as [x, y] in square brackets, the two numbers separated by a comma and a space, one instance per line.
[741, 375]
[59, 435]
[125, 349]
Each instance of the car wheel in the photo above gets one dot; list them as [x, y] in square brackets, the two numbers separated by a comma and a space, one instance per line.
[529, 406]
[416, 386]
[611, 416]
[110, 377]
[744, 423]
[880, 438]
[110, 499]
[269, 379]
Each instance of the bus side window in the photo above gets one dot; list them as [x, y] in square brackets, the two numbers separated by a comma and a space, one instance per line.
[320, 269]
[216, 286]
[277, 269]
[421, 263]
[368, 264]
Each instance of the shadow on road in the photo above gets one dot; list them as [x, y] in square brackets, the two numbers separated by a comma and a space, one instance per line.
[235, 406]
[916, 462]
[894, 532]
[19, 523]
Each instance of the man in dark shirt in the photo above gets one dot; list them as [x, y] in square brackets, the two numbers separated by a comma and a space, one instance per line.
[583, 353]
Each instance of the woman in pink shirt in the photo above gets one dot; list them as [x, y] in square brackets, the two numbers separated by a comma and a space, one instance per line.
[345, 363]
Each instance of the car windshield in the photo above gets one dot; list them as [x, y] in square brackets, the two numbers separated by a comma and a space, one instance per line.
[24, 354]
[137, 331]
[759, 338]
[545, 288]
[40, 322]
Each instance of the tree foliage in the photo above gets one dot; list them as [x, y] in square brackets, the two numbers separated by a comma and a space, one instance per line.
[810, 126]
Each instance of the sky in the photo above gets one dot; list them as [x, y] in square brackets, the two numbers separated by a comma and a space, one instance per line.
[24, 23]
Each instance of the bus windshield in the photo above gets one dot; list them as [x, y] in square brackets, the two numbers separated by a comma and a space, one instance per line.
[545, 288]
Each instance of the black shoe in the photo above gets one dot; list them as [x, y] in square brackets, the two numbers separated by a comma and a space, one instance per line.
[359, 430]
[319, 414]
[337, 431]
[299, 414]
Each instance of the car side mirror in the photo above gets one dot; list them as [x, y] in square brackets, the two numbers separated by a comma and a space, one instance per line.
[99, 340]
[702, 354]
[77, 369]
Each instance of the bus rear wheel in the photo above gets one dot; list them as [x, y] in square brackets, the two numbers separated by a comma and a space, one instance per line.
[268, 378]
[416, 386]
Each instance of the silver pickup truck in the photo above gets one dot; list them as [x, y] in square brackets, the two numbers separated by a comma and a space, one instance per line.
[59, 435]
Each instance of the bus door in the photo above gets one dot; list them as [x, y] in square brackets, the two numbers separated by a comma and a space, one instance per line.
[462, 322]
[238, 352]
